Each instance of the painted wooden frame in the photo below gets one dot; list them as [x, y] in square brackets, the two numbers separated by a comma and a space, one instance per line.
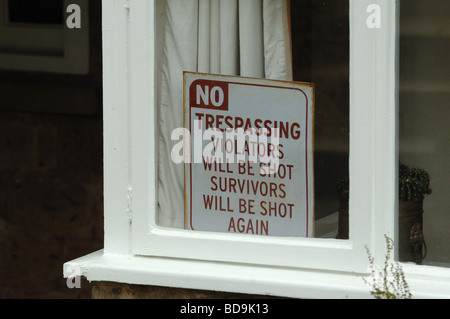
[139, 251]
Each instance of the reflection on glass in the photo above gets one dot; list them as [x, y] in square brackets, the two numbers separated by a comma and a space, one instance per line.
[424, 222]
[320, 37]
[303, 41]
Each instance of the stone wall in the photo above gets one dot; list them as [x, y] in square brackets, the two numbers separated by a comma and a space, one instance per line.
[51, 175]
[112, 290]
[51, 200]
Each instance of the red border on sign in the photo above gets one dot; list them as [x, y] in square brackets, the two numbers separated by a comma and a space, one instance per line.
[306, 151]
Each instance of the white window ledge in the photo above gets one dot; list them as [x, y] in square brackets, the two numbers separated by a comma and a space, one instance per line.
[217, 276]
[241, 278]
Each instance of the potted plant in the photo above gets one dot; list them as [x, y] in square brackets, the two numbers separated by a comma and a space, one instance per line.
[414, 184]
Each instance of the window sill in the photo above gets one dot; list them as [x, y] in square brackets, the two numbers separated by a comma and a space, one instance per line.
[245, 278]
[215, 276]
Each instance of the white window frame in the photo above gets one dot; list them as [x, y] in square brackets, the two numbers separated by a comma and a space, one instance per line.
[138, 251]
[72, 45]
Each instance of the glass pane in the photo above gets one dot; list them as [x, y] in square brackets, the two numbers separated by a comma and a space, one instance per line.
[320, 37]
[36, 12]
[424, 207]
[297, 41]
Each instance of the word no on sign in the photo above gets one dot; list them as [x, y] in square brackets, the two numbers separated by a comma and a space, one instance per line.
[250, 155]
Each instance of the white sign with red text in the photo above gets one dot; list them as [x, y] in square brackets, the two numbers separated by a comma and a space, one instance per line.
[250, 145]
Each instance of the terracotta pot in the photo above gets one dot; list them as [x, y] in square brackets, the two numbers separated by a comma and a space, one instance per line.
[412, 243]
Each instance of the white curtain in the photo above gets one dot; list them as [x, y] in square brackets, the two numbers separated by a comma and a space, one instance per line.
[232, 37]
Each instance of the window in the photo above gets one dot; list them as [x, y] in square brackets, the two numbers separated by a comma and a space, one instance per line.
[30, 12]
[139, 250]
[250, 249]
[223, 48]
[424, 144]
[48, 61]
[34, 37]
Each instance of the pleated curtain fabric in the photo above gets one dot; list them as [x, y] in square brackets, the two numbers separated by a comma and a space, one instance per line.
[248, 38]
